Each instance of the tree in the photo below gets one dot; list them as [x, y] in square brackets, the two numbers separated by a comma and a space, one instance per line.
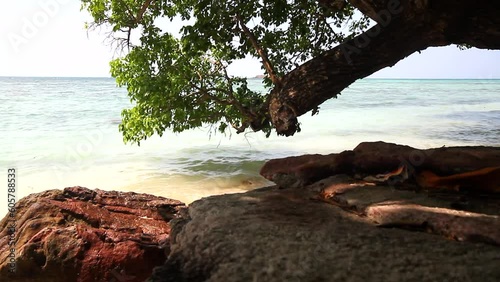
[310, 51]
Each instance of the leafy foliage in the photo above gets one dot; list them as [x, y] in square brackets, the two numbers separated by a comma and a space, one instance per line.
[181, 82]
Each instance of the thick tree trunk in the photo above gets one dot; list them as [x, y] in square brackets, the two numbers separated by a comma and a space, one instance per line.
[403, 27]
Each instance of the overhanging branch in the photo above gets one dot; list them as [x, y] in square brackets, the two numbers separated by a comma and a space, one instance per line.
[399, 35]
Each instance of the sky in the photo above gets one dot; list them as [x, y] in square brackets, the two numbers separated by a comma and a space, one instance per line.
[48, 38]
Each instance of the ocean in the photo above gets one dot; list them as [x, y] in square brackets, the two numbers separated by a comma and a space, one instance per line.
[61, 132]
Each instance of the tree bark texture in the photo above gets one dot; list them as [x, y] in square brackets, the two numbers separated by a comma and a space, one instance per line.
[403, 27]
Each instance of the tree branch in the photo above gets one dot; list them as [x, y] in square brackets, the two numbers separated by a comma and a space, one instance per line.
[204, 92]
[410, 30]
[261, 51]
[141, 12]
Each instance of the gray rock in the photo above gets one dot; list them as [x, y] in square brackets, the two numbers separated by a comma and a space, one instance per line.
[289, 235]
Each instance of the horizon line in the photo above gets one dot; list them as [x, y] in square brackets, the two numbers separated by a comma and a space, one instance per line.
[256, 77]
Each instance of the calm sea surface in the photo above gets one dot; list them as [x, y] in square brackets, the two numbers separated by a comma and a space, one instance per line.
[61, 132]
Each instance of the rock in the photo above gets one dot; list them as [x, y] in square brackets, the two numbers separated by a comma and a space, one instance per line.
[77, 234]
[378, 157]
[290, 235]
[350, 221]
[298, 171]
[370, 158]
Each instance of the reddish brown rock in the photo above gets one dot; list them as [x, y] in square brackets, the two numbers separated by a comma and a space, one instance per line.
[77, 234]
[370, 158]
[302, 170]
[378, 157]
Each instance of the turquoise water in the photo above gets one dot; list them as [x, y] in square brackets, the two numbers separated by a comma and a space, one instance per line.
[61, 132]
